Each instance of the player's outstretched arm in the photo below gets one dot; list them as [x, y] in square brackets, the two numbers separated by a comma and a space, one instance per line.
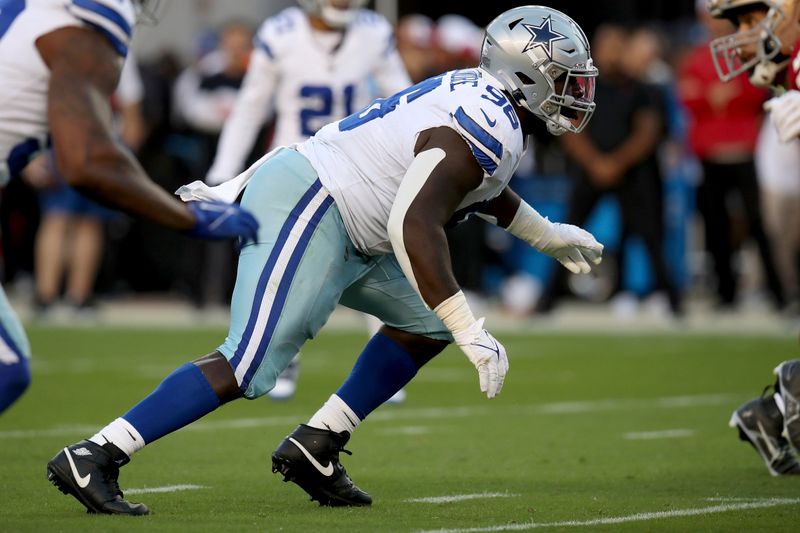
[84, 70]
[442, 174]
[573, 247]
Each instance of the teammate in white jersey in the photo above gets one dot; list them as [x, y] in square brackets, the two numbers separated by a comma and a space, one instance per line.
[59, 63]
[312, 66]
[356, 215]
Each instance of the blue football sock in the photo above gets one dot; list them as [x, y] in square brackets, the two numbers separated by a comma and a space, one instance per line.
[183, 397]
[383, 368]
[14, 379]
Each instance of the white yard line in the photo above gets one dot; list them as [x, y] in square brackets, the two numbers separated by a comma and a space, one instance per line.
[168, 488]
[406, 430]
[58, 431]
[462, 497]
[666, 402]
[391, 415]
[655, 435]
[638, 517]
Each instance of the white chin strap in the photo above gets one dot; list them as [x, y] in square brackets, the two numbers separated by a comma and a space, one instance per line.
[764, 74]
[560, 128]
[337, 18]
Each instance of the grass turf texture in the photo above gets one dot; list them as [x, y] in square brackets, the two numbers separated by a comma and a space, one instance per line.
[553, 442]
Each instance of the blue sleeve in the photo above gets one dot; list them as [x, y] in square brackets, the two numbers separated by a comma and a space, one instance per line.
[114, 19]
[486, 147]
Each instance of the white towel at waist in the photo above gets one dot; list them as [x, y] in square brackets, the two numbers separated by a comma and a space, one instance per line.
[227, 191]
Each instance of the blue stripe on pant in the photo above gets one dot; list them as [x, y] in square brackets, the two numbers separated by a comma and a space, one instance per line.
[283, 289]
[289, 283]
[291, 220]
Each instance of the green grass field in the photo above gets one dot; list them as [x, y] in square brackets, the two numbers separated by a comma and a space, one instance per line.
[564, 447]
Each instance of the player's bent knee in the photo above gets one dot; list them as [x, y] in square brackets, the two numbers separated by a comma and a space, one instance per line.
[219, 374]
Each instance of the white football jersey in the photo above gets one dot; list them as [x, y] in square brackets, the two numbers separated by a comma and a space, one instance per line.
[24, 77]
[310, 78]
[362, 159]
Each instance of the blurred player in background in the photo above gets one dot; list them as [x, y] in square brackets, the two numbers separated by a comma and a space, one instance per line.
[60, 62]
[356, 215]
[312, 66]
[766, 46]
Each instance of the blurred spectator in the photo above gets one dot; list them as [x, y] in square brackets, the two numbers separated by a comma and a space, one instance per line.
[646, 62]
[616, 154]
[206, 92]
[457, 43]
[128, 98]
[204, 97]
[69, 243]
[724, 123]
[415, 34]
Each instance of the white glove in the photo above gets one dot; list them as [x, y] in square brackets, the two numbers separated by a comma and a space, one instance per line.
[488, 356]
[785, 114]
[571, 246]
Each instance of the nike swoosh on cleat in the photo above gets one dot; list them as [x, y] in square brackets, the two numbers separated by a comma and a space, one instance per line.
[490, 122]
[83, 481]
[326, 471]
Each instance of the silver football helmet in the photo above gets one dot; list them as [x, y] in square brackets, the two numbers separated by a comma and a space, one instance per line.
[767, 61]
[542, 59]
[335, 13]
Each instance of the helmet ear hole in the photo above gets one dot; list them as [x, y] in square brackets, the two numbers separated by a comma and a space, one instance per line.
[524, 78]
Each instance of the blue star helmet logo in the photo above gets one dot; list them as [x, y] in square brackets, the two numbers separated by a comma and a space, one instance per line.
[543, 36]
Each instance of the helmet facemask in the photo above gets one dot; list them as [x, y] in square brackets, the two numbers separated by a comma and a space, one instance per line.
[571, 102]
[763, 36]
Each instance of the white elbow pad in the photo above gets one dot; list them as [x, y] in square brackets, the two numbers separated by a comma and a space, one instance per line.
[415, 177]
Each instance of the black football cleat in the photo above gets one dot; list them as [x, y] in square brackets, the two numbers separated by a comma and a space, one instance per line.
[89, 472]
[788, 386]
[760, 423]
[309, 457]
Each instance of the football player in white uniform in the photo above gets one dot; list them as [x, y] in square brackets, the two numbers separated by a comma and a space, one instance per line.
[59, 63]
[356, 215]
[766, 46]
[313, 66]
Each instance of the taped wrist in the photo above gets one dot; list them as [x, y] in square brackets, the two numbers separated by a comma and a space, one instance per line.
[458, 317]
[530, 226]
